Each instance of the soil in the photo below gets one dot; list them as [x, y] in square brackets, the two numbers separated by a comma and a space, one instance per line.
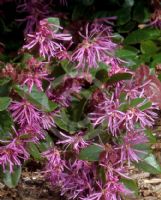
[32, 186]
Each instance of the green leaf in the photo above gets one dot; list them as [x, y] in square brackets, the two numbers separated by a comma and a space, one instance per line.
[66, 124]
[92, 132]
[12, 179]
[5, 87]
[102, 66]
[125, 54]
[91, 153]
[148, 47]
[145, 106]
[123, 15]
[34, 151]
[146, 147]
[76, 109]
[151, 137]
[140, 12]
[86, 93]
[159, 77]
[25, 58]
[6, 123]
[144, 150]
[58, 70]
[36, 97]
[119, 77]
[149, 164]
[4, 58]
[55, 21]
[46, 143]
[63, 125]
[3, 81]
[145, 58]
[124, 107]
[142, 34]
[135, 102]
[102, 75]
[66, 65]
[131, 185]
[4, 103]
[129, 54]
[118, 38]
[41, 100]
[126, 28]
[102, 174]
[156, 59]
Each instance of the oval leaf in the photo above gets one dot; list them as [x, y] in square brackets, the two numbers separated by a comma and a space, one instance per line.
[131, 185]
[119, 77]
[91, 153]
[12, 179]
[4, 103]
[149, 164]
[141, 35]
[38, 98]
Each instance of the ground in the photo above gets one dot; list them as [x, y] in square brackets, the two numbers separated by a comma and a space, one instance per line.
[33, 186]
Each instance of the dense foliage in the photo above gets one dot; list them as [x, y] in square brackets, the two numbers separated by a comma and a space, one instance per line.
[80, 92]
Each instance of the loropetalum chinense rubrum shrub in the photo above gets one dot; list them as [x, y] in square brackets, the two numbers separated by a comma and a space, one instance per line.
[75, 103]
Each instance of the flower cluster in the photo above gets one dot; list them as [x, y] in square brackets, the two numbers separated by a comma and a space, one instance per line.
[75, 104]
[95, 47]
[34, 74]
[124, 115]
[47, 39]
[12, 154]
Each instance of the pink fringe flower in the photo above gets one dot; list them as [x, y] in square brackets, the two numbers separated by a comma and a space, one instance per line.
[128, 150]
[47, 39]
[112, 190]
[53, 157]
[12, 154]
[34, 74]
[34, 78]
[32, 133]
[54, 166]
[146, 118]
[76, 179]
[47, 120]
[95, 47]
[108, 111]
[133, 90]
[115, 66]
[24, 113]
[77, 142]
